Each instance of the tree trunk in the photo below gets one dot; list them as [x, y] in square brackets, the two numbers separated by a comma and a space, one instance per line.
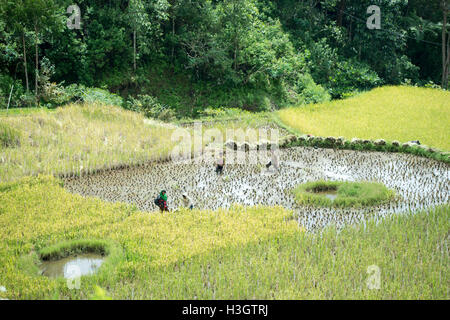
[25, 61]
[340, 12]
[37, 65]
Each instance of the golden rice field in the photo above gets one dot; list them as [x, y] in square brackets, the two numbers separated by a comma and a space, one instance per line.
[79, 138]
[237, 253]
[38, 212]
[241, 253]
[392, 113]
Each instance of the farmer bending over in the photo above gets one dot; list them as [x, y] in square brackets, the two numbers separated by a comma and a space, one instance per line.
[219, 163]
[187, 202]
[161, 201]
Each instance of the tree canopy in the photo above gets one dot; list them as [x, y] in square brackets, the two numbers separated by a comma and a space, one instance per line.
[253, 54]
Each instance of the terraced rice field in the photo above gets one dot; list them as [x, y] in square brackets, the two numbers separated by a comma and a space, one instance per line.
[418, 182]
[392, 113]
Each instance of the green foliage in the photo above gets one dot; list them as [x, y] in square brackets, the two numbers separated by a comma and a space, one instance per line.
[223, 113]
[97, 95]
[6, 84]
[56, 95]
[348, 194]
[150, 107]
[309, 91]
[350, 77]
[250, 54]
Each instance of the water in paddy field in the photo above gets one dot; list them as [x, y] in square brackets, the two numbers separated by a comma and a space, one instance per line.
[419, 183]
[79, 265]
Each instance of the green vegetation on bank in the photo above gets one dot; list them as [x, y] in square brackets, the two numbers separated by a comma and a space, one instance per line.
[241, 253]
[348, 194]
[390, 113]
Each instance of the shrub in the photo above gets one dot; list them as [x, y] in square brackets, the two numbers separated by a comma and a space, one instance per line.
[97, 95]
[309, 91]
[150, 107]
[221, 112]
[27, 99]
[5, 89]
[351, 77]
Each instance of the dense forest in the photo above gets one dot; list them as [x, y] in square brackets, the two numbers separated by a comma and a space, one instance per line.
[178, 58]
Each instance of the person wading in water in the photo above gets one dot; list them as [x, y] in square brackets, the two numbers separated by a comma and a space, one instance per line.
[219, 163]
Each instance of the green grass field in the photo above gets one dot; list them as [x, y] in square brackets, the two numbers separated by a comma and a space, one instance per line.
[242, 253]
[390, 113]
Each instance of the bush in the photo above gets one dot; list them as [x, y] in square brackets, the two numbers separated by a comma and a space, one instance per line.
[211, 112]
[55, 95]
[351, 77]
[5, 89]
[309, 91]
[150, 107]
[97, 95]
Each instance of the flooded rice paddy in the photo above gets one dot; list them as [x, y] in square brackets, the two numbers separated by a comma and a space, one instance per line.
[419, 183]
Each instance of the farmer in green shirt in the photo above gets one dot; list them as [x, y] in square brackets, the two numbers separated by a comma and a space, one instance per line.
[161, 201]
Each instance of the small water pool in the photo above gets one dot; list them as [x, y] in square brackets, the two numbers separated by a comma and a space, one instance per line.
[330, 194]
[72, 266]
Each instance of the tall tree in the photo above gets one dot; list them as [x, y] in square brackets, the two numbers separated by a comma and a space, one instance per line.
[40, 14]
[15, 15]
